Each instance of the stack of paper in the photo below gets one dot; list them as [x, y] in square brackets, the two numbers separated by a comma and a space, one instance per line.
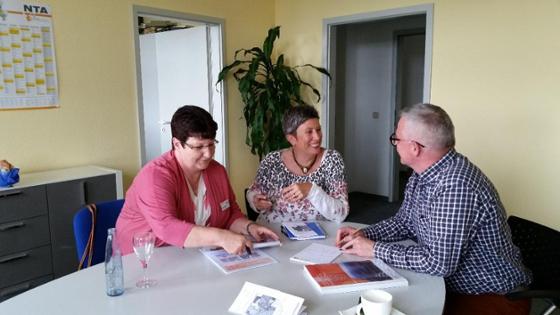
[317, 254]
[303, 230]
[258, 299]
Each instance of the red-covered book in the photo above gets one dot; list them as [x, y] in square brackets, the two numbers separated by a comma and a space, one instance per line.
[353, 276]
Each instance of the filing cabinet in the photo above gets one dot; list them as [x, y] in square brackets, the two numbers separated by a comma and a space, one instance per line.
[36, 233]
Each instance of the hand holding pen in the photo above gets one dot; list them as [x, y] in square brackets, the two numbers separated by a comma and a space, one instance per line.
[353, 241]
[345, 234]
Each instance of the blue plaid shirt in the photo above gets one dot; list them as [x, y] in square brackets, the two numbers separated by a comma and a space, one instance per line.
[455, 215]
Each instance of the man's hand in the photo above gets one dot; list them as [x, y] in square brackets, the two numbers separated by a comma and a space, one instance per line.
[262, 203]
[296, 192]
[360, 246]
[346, 234]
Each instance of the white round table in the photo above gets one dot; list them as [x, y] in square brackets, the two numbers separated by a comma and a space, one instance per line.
[188, 283]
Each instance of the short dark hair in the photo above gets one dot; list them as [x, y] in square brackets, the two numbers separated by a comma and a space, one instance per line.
[297, 115]
[192, 121]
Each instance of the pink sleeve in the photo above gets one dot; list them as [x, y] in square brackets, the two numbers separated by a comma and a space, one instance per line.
[157, 199]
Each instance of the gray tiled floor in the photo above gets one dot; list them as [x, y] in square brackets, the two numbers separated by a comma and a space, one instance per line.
[369, 209]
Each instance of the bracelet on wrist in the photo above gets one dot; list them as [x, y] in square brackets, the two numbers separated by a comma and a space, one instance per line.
[247, 228]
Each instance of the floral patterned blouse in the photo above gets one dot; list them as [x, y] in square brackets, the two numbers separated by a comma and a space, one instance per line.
[327, 199]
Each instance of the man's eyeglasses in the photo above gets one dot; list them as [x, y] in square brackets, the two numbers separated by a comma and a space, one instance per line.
[210, 146]
[394, 140]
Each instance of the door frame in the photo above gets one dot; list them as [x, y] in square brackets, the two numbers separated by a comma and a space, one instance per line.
[137, 11]
[329, 62]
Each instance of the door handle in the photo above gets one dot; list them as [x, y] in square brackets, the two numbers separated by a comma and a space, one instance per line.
[164, 122]
[11, 193]
[15, 289]
[12, 225]
[13, 257]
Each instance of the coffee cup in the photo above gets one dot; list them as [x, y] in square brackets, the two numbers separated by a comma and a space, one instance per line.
[375, 302]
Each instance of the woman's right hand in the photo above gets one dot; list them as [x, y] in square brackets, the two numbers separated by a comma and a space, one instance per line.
[234, 243]
[262, 203]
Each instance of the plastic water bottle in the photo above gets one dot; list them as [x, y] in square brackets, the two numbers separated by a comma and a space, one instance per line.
[114, 278]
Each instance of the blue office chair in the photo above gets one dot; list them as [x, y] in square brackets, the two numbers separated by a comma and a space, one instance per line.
[91, 246]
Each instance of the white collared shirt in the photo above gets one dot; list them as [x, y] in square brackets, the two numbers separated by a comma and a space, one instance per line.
[201, 211]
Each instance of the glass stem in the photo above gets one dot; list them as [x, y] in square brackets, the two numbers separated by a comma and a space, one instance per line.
[145, 267]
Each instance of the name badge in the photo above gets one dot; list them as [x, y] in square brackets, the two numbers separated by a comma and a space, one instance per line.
[224, 205]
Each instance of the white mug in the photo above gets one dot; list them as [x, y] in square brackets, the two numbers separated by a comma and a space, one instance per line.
[375, 302]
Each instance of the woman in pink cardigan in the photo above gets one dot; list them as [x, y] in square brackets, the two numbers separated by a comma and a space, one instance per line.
[184, 197]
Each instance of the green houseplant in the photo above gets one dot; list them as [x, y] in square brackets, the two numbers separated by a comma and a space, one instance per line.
[268, 88]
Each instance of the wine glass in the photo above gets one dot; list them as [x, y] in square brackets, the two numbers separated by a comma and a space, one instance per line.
[143, 244]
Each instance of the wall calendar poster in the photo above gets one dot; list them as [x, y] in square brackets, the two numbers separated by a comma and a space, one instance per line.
[28, 73]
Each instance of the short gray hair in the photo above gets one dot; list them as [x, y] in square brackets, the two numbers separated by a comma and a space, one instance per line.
[297, 115]
[431, 124]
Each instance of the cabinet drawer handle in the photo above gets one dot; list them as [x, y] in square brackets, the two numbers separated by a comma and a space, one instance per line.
[13, 225]
[9, 258]
[15, 289]
[11, 193]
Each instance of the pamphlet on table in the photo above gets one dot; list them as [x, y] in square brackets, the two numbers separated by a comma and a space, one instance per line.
[257, 299]
[229, 263]
[316, 254]
[352, 276]
[265, 242]
[303, 230]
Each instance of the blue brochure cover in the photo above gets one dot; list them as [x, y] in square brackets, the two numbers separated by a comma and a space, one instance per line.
[303, 230]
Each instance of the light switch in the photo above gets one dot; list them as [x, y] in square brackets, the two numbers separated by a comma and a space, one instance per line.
[375, 115]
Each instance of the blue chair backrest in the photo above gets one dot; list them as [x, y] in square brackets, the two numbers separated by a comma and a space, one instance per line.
[107, 214]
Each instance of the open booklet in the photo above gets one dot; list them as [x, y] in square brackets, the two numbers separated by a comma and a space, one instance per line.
[229, 263]
[256, 299]
[351, 276]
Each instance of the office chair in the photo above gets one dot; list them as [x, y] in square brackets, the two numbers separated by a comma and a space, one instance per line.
[251, 214]
[540, 249]
[91, 246]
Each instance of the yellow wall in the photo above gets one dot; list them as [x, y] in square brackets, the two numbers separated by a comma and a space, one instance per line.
[496, 71]
[97, 122]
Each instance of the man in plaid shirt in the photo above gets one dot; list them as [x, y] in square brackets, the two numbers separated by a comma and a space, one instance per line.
[453, 212]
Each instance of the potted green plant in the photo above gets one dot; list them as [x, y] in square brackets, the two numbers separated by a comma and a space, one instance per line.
[268, 88]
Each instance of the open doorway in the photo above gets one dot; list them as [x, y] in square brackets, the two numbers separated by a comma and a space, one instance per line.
[380, 62]
[178, 58]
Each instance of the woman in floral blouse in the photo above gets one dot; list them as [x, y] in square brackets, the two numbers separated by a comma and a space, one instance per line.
[305, 182]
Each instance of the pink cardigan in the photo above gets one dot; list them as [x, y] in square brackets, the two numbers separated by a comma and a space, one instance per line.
[159, 201]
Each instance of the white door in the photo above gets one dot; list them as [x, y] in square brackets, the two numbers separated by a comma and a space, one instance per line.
[174, 73]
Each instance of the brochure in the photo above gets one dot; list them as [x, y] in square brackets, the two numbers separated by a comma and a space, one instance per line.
[353, 276]
[265, 243]
[254, 299]
[317, 254]
[303, 230]
[229, 263]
